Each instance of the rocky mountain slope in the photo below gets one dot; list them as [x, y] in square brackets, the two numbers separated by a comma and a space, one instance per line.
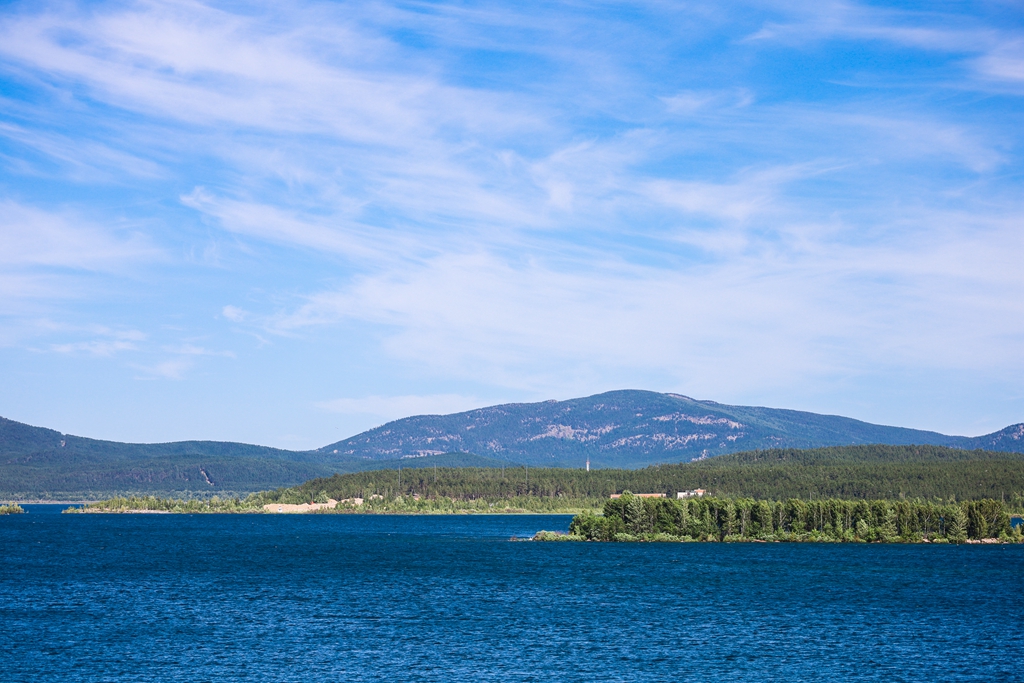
[633, 429]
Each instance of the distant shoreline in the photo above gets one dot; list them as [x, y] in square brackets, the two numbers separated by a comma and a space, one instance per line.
[391, 513]
[58, 502]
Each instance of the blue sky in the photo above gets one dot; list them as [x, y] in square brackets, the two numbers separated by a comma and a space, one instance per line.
[287, 222]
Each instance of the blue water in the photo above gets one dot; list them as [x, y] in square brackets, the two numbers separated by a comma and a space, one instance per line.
[362, 598]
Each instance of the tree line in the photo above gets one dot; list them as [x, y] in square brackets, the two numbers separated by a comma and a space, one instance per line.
[216, 504]
[921, 473]
[852, 472]
[632, 518]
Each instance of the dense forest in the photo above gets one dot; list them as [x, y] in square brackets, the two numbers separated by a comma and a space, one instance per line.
[216, 504]
[75, 473]
[917, 473]
[849, 472]
[632, 518]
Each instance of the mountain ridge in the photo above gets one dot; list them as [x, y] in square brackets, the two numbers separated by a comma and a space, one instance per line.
[624, 429]
[617, 429]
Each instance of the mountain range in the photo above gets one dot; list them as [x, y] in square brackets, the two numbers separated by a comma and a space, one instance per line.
[615, 429]
[635, 429]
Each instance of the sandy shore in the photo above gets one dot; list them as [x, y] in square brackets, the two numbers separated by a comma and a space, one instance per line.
[304, 507]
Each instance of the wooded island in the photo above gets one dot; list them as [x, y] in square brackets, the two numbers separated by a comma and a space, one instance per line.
[634, 518]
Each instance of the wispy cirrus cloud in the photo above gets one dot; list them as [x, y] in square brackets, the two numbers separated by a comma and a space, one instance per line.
[171, 369]
[188, 349]
[695, 101]
[54, 255]
[525, 198]
[1005, 62]
[33, 237]
[804, 301]
[173, 362]
[81, 161]
[993, 52]
[202, 65]
[108, 343]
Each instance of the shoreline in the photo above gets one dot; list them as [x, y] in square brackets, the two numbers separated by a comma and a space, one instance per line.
[86, 511]
[562, 537]
[58, 502]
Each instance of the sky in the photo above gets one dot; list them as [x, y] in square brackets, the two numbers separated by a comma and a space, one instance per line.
[287, 222]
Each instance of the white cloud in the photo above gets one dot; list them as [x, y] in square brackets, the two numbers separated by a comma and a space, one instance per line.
[798, 307]
[172, 368]
[205, 66]
[85, 161]
[34, 237]
[234, 314]
[612, 202]
[194, 350]
[754, 194]
[55, 258]
[183, 359]
[920, 138]
[996, 50]
[276, 225]
[1005, 62]
[110, 342]
[690, 102]
[96, 347]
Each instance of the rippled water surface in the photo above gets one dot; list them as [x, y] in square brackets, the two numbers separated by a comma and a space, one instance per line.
[331, 598]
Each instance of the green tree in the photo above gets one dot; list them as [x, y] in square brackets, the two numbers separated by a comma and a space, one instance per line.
[635, 515]
[956, 529]
[887, 529]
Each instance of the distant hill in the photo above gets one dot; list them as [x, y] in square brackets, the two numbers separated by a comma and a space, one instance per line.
[43, 463]
[39, 463]
[633, 429]
[619, 429]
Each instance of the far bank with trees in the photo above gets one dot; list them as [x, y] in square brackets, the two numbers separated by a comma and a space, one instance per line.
[634, 518]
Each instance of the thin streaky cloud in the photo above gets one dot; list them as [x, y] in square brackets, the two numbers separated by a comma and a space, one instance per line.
[770, 201]
[30, 236]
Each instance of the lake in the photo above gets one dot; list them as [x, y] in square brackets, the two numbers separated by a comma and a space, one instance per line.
[449, 598]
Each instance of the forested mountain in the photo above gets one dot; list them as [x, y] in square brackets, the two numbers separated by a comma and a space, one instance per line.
[37, 463]
[633, 429]
[619, 429]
